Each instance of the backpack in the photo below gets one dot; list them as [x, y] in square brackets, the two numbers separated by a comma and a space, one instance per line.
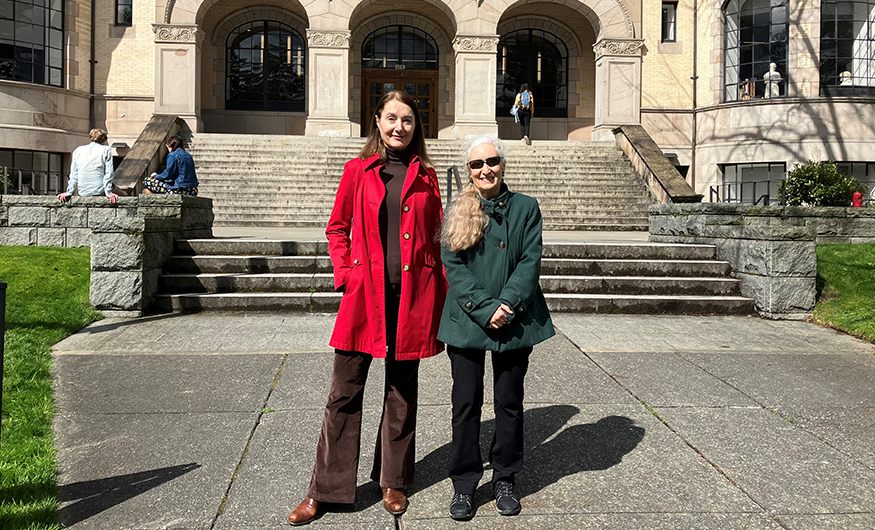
[525, 100]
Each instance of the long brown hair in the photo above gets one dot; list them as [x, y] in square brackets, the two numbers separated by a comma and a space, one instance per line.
[374, 143]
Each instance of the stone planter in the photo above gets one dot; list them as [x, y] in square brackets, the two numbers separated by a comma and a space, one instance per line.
[772, 249]
[130, 241]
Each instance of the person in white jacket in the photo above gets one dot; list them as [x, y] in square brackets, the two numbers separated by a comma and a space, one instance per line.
[91, 170]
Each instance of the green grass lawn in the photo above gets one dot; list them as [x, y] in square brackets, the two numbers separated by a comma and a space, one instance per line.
[46, 300]
[846, 289]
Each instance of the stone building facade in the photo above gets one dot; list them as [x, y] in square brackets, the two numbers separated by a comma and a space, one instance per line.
[694, 74]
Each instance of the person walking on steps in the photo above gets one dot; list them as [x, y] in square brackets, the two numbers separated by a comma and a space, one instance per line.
[383, 243]
[525, 102]
[491, 250]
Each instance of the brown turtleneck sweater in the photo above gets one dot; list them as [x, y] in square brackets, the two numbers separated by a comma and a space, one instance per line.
[393, 175]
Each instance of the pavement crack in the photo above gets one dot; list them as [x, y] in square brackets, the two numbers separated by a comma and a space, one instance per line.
[237, 469]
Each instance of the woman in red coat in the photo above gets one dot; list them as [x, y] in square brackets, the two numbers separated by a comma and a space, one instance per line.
[383, 241]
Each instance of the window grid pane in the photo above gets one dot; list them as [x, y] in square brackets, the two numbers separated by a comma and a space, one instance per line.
[31, 42]
[402, 47]
[538, 58]
[847, 43]
[755, 38]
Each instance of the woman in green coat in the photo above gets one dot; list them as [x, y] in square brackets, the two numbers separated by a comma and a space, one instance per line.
[491, 249]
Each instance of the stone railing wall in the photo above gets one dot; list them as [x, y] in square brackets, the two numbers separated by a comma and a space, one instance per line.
[130, 241]
[772, 249]
[661, 177]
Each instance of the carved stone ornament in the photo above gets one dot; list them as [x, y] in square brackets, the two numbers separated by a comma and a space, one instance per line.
[168, 33]
[476, 44]
[328, 39]
[618, 47]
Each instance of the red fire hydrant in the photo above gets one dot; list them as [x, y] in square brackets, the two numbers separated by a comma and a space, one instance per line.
[857, 201]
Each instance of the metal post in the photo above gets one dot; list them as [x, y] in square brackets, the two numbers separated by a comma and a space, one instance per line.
[2, 335]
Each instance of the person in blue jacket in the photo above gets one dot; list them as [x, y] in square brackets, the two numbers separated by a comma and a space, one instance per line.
[491, 251]
[179, 177]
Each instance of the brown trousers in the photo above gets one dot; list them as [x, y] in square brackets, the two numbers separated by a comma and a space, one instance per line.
[337, 455]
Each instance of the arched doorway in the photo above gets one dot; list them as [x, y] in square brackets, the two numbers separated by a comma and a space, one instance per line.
[265, 68]
[540, 59]
[403, 58]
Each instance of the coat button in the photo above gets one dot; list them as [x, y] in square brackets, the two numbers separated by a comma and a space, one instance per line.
[469, 305]
[501, 245]
[406, 235]
[406, 267]
[355, 262]
[521, 308]
[501, 205]
[405, 208]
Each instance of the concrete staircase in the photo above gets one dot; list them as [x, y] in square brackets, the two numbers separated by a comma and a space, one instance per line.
[261, 180]
[286, 276]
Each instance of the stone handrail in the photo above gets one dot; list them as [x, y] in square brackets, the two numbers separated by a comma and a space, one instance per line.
[660, 175]
[147, 153]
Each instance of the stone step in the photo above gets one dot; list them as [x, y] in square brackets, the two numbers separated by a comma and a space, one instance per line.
[253, 248]
[319, 220]
[557, 303]
[640, 285]
[324, 282]
[634, 267]
[235, 282]
[650, 304]
[254, 264]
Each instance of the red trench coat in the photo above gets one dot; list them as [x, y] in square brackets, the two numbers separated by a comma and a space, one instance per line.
[357, 255]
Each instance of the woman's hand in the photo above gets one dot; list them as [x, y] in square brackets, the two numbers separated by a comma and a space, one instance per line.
[499, 318]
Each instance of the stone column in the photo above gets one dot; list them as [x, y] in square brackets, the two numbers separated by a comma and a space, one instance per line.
[328, 83]
[476, 62]
[617, 85]
[178, 72]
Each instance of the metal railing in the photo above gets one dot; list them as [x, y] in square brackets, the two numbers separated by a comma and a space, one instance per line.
[754, 192]
[31, 182]
[453, 174]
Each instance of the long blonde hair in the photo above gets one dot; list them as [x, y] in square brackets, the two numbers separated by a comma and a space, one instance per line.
[465, 220]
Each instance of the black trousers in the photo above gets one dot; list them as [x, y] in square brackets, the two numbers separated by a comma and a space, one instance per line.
[337, 455]
[525, 117]
[506, 450]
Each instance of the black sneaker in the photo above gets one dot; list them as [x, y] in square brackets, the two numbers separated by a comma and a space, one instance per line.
[505, 499]
[462, 507]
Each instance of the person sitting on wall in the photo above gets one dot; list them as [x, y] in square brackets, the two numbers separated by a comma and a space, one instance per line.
[91, 170]
[179, 177]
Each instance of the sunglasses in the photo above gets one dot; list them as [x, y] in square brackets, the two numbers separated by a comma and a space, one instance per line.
[491, 161]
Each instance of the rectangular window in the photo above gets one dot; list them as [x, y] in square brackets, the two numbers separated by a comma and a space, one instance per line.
[669, 21]
[124, 12]
[751, 183]
[24, 172]
[864, 171]
[32, 41]
[847, 48]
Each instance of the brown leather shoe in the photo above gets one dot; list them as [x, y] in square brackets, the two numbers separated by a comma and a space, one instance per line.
[305, 512]
[394, 501]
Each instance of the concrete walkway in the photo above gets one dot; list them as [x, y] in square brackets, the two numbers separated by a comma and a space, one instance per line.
[632, 422]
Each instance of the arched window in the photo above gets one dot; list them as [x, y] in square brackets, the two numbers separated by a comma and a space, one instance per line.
[540, 59]
[401, 48]
[847, 48]
[755, 33]
[265, 68]
[32, 41]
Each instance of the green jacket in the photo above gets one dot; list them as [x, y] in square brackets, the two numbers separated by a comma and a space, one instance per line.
[503, 267]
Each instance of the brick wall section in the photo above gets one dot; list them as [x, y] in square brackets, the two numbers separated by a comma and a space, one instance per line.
[125, 55]
[667, 67]
[78, 53]
[130, 241]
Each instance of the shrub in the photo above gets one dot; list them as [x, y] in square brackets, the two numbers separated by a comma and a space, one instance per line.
[818, 184]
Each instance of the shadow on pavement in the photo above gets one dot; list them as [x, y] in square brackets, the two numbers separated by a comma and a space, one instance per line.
[94, 496]
[551, 452]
